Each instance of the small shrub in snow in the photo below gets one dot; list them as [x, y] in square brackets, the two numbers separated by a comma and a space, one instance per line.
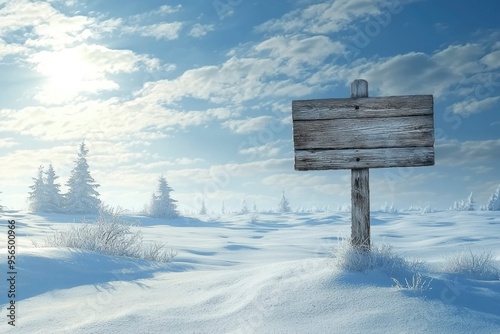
[477, 265]
[416, 284]
[383, 258]
[110, 235]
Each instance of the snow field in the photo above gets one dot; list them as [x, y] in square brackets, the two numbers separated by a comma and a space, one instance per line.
[268, 273]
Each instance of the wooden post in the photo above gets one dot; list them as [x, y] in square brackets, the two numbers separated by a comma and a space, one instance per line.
[361, 132]
[360, 188]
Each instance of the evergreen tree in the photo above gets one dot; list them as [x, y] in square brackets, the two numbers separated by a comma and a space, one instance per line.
[36, 197]
[162, 205]
[82, 196]
[494, 201]
[470, 204]
[53, 197]
[244, 208]
[1, 207]
[284, 205]
[203, 210]
[223, 208]
[467, 205]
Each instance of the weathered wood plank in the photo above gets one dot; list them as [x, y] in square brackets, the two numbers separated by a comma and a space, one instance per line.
[364, 158]
[360, 189]
[408, 105]
[360, 208]
[415, 131]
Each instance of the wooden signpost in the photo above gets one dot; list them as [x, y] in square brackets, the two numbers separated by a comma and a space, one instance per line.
[359, 133]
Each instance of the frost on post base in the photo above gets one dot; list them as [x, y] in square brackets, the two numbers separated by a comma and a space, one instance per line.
[162, 205]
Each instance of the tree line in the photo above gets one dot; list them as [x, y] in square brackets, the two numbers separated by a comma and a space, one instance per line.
[82, 196]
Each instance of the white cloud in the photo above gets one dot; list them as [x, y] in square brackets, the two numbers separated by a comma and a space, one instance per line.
[107, 26]
[8, 142]
[329, 17]
[137, 119]
[200, 30]
[21, 164]
[10, 48]
[59, 31]
[160, 11]
[492, 60]
[411, 73]
[187, 161]
[454, 153]
[461, 58]
[474, 106]
[39, 25]
[18, 14]
[84, 69]
[249, 125]
[166, 9]
[165, 30]
[295, 54]
[235, 81]
[268, 150]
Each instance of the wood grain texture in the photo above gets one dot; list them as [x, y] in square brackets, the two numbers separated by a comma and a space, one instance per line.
[360, 189]
[364, 158]
[363, 132]
[414, 131]
[372, 107]
[360, 208]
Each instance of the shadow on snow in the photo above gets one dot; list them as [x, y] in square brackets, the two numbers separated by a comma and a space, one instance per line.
[47, 269]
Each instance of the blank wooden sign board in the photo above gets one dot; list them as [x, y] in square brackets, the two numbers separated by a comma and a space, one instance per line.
[359, 133]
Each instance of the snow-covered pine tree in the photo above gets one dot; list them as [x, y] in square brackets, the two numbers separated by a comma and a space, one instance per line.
[82, 196]
[467, 205]
[203, 209]
[162, 205]
[284, 205]
[223, 208]
[470, 204]
[53, 198]
[494, 201]
[1, 207]
[244, 208]
[36, 199]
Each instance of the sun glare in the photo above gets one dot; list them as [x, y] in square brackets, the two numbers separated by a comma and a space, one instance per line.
[68, 74]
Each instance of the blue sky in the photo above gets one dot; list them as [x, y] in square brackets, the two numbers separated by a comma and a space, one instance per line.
[201, 92]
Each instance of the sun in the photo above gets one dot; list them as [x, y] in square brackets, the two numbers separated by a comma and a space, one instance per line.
[68, 73]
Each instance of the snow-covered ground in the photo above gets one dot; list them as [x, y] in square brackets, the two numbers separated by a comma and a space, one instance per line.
[262, 273]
